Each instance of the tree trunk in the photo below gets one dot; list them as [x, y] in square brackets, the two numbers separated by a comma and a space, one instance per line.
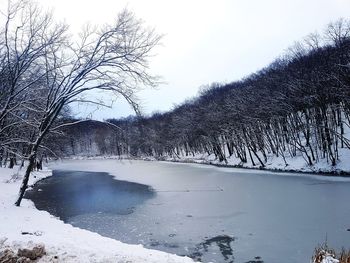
[24, 185]
[12, 163]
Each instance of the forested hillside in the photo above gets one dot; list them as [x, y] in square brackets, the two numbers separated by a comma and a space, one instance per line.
[297, 108]
[299, 105]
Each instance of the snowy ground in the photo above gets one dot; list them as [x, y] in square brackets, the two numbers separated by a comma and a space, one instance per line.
[63, 242]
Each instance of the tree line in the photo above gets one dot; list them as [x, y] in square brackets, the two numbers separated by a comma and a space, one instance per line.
[299, 105]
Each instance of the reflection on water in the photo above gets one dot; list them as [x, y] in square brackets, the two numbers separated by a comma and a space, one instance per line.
[70, 193]
[223, 243]
[256, 260]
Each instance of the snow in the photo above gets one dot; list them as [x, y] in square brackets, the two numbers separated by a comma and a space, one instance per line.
[327, 257]
[295, 164]
[24, 226]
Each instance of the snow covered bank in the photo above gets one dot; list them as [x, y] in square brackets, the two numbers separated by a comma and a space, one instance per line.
[22, 226]
[295, 164]
[273, 163]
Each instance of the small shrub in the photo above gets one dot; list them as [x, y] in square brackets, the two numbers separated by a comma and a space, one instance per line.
[324, 254]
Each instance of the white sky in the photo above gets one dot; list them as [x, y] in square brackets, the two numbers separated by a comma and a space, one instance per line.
[206, 41]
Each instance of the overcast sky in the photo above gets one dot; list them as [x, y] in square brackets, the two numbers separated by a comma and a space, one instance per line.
[205, 41]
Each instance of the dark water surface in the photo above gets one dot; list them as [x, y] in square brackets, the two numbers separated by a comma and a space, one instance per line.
[207, 213]
[68, 194]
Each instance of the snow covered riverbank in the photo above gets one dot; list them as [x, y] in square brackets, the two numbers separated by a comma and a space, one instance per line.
[295, 164]
[288, 164]
[20, 227]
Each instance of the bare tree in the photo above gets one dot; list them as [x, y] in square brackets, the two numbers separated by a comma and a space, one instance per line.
[25, 38]
[338, 31]
[26, 35]
[112, 59]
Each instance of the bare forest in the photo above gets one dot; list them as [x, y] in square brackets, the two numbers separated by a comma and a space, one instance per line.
[299, 105]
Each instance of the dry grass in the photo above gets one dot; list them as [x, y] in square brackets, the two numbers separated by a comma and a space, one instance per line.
[322, 251]
[344, 256]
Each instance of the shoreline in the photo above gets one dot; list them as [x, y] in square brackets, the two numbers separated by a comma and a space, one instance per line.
[340, 174]
[334, 174]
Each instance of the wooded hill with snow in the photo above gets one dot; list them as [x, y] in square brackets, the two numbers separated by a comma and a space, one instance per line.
[293, 114]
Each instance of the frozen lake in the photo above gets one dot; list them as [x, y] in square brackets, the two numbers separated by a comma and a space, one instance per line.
[208, 213]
